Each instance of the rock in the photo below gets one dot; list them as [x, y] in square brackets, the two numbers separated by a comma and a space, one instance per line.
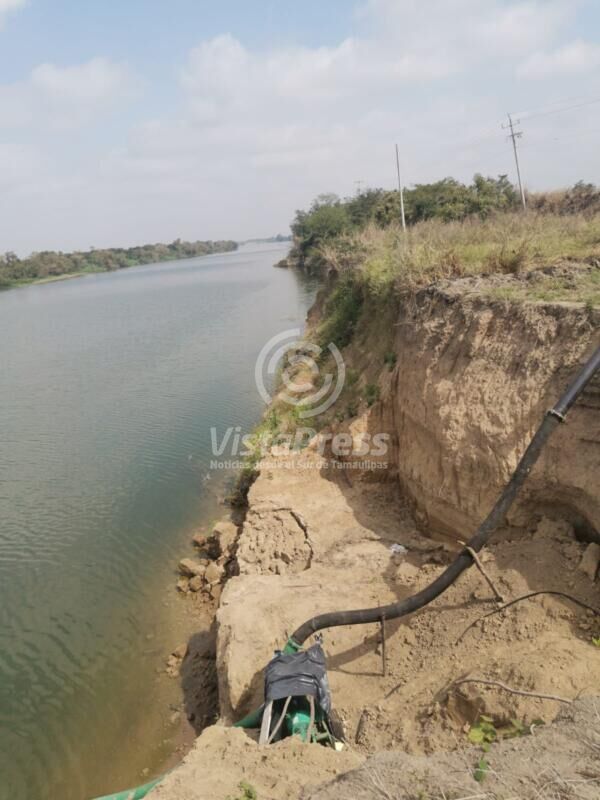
[214, 573]
[590, 561]
[188, 567]
[183, 585]
[180, 652]
[199, 539]
[195, 583]
[215, 592]
[225, 534]
[408, 636]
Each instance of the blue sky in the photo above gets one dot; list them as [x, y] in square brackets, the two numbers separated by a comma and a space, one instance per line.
[141, 120]
[146, 30]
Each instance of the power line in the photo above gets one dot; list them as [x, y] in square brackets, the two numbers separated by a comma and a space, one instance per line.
[554, 136]
[526, 111]
[486, 133]
[514, 135]
[560, 110]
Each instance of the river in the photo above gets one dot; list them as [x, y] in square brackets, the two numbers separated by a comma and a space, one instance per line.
[109, 385]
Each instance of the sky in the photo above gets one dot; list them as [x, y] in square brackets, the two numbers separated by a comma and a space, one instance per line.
[132, 121]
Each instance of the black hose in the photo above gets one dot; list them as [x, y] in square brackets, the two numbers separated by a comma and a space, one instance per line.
[551, 420]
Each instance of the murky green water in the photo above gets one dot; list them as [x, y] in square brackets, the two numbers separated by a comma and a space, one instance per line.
[109, 385]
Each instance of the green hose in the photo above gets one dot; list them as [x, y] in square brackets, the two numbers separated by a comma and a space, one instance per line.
[133, 794]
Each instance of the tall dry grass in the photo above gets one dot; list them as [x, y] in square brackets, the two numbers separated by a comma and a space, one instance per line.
[431, 250]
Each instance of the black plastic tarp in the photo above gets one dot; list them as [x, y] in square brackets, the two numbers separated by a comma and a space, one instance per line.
[301, 673]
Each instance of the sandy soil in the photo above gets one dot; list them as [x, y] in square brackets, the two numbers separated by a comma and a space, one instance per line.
[542, 644]
[224, 757]
[317, 538]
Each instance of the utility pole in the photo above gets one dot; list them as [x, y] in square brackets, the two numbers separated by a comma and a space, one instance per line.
[359, 187]
[514, 135]
[401, 190]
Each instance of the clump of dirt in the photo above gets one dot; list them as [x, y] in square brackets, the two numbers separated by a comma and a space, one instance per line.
[275, 540]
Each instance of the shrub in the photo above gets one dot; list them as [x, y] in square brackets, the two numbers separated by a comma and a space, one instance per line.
[342, 313]
[389, 359]
[371, 393]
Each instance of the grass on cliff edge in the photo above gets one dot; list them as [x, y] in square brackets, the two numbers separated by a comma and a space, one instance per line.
[382, 259]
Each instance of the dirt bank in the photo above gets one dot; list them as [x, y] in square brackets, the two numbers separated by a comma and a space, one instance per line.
[471, 381]
[468, 385]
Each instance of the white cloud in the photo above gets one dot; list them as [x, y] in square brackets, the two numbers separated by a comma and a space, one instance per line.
[222, 75]
[92, 82]
[7, 6]
[570, 59]
[467, 29]
[18, 163]
[252, 134]
[288, 106]
[65, 97]
[405, 46]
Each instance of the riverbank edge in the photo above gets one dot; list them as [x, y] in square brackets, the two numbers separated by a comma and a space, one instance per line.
[315, 317]
[70, 275]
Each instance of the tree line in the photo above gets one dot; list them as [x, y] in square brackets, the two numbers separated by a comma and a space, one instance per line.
[50, 264]
[447, 200]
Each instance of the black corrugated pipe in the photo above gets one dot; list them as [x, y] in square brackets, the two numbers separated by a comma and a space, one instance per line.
[464, 560]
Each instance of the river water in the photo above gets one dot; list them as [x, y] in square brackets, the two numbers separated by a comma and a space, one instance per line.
[109, 385]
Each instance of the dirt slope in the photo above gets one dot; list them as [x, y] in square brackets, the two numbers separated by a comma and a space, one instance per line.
[470, 384]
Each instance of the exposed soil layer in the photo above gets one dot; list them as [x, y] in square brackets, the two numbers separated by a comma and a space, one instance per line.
[470, 383]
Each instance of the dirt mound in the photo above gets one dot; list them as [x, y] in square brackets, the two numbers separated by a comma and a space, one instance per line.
[222, 758]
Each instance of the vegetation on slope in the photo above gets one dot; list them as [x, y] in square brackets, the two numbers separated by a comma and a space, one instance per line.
[506, 243]
[342, 222]
[453, 231]
[49, 264]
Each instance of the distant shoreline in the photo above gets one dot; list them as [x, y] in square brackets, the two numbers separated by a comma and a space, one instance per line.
[101, 261]
[55, 278]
